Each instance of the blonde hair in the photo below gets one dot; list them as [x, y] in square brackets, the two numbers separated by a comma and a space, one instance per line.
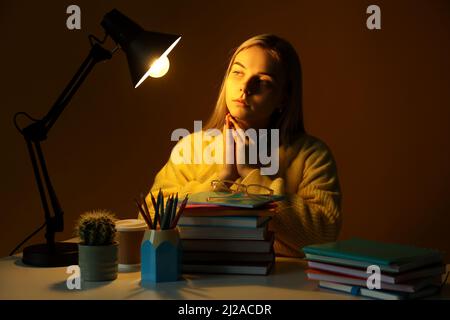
[290, 120]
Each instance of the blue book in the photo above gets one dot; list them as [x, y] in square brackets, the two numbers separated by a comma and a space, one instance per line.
[379, 294]
[392, 268]
[375, 252]
[237, 200]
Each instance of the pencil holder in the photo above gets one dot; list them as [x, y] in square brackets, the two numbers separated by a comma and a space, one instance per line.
[161, 256]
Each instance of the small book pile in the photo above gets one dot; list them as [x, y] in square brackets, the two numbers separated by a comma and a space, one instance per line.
[350, 266]
[228, 239]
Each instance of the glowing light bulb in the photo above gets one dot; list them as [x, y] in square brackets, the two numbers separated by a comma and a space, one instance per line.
[159, 68]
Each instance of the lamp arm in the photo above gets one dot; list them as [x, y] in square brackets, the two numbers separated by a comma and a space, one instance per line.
[37, 132]
[97, 54]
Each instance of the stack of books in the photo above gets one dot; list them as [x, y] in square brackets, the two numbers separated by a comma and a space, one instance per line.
[350, 266]
[229, 239]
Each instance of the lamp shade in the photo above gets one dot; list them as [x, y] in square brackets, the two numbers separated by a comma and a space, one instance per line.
[142, 48]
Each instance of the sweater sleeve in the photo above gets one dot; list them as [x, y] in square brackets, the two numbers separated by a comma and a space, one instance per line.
[181, 178]
[313, 213]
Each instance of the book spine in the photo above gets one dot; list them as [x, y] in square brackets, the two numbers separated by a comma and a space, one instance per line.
[347, 256]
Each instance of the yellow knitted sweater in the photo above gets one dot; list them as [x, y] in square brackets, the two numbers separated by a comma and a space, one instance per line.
[307, 175]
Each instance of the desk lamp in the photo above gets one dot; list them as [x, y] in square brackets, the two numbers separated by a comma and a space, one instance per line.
[147, 56]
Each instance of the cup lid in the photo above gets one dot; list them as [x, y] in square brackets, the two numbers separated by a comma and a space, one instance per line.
[131, 225]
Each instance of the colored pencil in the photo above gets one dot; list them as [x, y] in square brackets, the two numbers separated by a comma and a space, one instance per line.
[155, 207]
[168, 213]
[146, 209]
[153, 201]
[157, 216]
[145, 206]
[149, 223]
[180, 212]
[174, 211]
[161, 209]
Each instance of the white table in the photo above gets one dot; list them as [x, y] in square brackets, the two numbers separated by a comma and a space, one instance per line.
[287, 281]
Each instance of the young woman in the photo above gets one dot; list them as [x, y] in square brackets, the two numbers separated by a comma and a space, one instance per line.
[262, 89]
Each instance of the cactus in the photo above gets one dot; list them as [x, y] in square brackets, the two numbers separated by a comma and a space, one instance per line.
[96, 228]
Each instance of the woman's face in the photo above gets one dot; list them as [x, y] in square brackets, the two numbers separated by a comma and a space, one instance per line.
[253, 87]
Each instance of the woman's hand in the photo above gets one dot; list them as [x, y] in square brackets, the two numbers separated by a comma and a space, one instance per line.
[241, 144]
[229, 171]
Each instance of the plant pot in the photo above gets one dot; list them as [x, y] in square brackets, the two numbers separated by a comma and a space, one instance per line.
[161, 256]
[98, 263]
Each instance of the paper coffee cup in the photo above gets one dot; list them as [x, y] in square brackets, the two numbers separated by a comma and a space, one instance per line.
[129, 235]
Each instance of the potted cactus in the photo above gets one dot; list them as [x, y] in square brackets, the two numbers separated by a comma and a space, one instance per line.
[97, 250]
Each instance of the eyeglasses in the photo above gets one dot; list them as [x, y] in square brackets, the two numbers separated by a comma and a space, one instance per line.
[232, 189]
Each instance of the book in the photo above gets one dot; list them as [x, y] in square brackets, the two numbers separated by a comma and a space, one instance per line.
[230, 221]
[374, 252]
[225, 257]
[261, 268]
[394, 268]
[379, 294]
[189, 232]
[434, 270]
[232, 200]
[202, 210]
[410, 286]
[221, 245]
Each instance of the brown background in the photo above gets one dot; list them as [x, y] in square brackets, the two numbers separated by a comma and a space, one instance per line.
[380, 99]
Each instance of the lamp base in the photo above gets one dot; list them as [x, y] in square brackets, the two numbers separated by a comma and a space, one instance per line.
[40, 255]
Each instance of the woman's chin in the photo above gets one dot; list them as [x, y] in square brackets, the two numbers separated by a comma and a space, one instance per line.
[241, 114]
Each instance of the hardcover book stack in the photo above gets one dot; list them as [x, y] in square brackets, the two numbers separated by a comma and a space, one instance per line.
[349, 266]
[227, 239]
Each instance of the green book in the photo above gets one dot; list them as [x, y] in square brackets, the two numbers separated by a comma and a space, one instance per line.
[238, 200]
[375, 252]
